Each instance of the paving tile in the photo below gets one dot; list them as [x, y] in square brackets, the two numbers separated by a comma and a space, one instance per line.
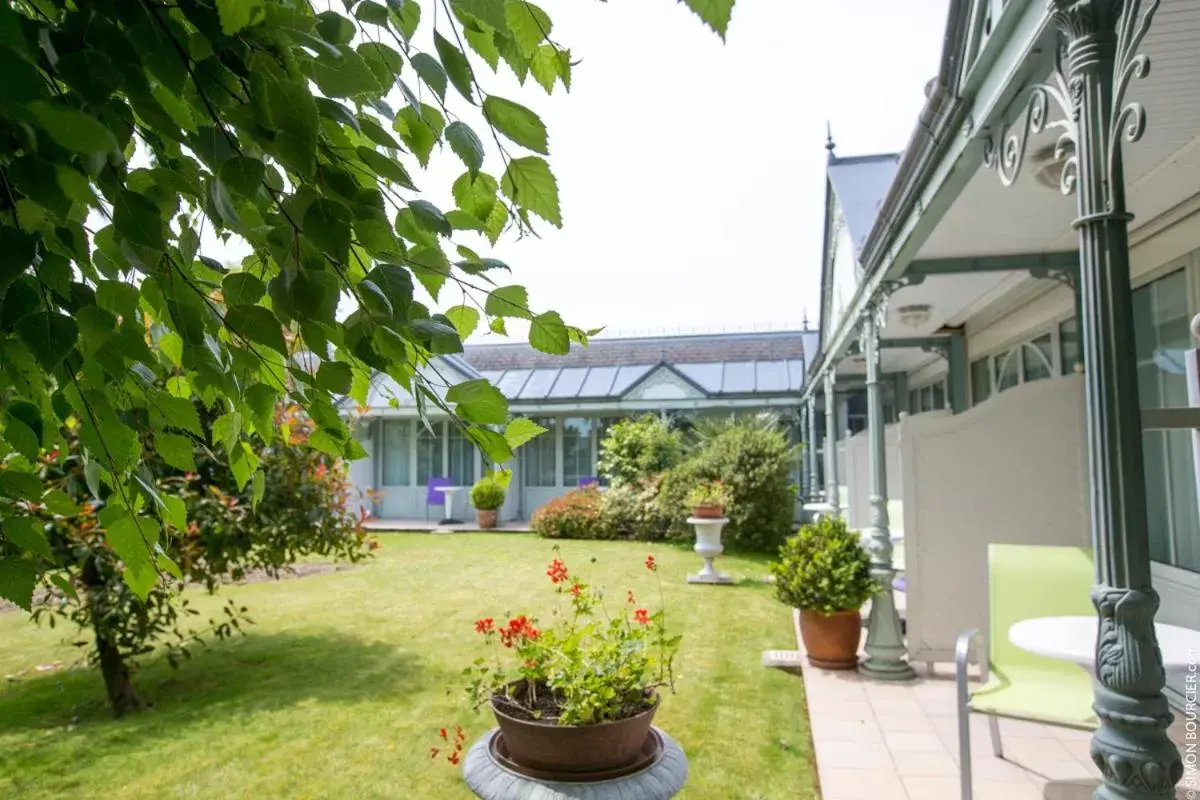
[1022, 748]
[852, 755]
[846, 711]
[861, 784]
[932, 788]
[1080, 748]
[989, 768]
[905, 742]
[1052, 769]
[1005, 790]
[905, 723]
[1069, 790]
[863, 732]
[930, 765]
[892, 706]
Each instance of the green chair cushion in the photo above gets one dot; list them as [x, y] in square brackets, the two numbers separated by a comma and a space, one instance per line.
[1057, 698]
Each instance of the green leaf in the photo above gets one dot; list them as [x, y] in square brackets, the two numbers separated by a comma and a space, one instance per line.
[508, 301]
[420, 132]
[385, 167]
[546, 66]
[476, 196]
[407, 15]
[226, 430]
[344, 75]
[334, 28]
[385, 62]
[431, 267]
[479, 401]
[20, 485]
[242, 463]
[27, 534]
[549, 335]
[243, 175]
[139, 219]
[466, 145]
[133, 539]
[334, 376]
[260, 401]
[529, 183]
[178, 412]
[17, 250]
[374, 301]
[258, 325]
[17, 579]
[174, 512]
[73, 129]
[294, 112]
[59, 502]
[176, 450]
[49, 336]
[396, 283]
[373, 13]
[238, 14]
[465, 320]
[242, 287]
[430, 217]
[171, 345]
[517, 123]
[431, 72]
[457, 67]
[327, 225]
[530, 25]
[166, 564]
[372, 130]
[520, 431]
[715, 13]
[23, 428]
[260, 489]
[491, 443]
[483, 42]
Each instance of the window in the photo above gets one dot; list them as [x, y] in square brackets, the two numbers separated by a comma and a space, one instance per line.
[577, 450]
[1069, 351]
[461, 456]
[395, 454]
[981, 380]
[429, 452]
[927, 398]
[1161, 332]
[1037, 358]
[539, 455]
[1007, 370]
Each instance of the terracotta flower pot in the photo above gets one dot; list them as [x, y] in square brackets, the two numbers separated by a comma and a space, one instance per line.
[567, 749]
[831, 639]
[485, 518]
[708, 512]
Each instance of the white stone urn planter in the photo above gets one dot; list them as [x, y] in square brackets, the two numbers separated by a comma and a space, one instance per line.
[708, 546]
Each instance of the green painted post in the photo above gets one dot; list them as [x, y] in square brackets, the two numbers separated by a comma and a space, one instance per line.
[885, 642]
[1131, 747]
[900, 392]
[832, 498]
[956, 378]
[811, 453]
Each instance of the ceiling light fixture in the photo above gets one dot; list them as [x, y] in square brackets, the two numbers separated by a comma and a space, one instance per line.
[914, 316]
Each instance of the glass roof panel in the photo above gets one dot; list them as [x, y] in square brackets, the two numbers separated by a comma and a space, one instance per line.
[739, 377]
[771, 376]
[539, 383]
[510, 385]
[598, 382]
[627, 375]
[569, 382]
[795, 374]
[707, 375]
[492, 375]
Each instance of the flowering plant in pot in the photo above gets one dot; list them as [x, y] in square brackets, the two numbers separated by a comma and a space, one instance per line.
[487, 495]
[709, 499]
[826, 573]
[578, 696]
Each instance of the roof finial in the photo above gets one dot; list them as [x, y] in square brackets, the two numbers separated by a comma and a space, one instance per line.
[806, 318]
[829, 145]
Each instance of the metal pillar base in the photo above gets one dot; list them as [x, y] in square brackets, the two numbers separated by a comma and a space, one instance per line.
[885, 638]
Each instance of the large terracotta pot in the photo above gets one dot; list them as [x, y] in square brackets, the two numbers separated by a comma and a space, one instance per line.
[708, 512]
[831, 639]
[485, 518]
[567, 749]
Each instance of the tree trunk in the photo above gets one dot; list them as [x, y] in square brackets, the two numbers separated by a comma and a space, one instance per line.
[121, 695]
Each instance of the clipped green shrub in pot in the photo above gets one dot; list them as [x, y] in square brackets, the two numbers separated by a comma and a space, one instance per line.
[708, 500]
[487, 495]
[826, 573]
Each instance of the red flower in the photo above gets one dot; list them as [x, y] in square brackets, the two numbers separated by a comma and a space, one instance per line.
[442, 733]
[557, 571]
[629, 597]
[642, 616]
[576, 589]
[650, 564]
[321, 470]
[373, 544]
[485, 625]
[453, 758]
[519, 629]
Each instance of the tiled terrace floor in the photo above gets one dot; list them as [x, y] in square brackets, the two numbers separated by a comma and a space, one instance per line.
[895, 741]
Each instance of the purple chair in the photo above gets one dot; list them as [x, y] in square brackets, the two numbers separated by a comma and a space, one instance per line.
[433, 497]
[587, 480]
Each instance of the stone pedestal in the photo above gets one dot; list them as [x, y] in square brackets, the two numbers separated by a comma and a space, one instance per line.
[489, 780]
[708, 546]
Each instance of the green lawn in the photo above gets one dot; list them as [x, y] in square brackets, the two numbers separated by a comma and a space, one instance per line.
[339, 689]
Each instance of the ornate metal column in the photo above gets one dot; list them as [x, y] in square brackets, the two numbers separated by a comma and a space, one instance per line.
[832, 498]
[1131, 747]
[885, 642]
[810, 414]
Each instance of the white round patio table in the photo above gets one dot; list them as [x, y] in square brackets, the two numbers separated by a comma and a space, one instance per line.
[448, 493]
[1074, 639]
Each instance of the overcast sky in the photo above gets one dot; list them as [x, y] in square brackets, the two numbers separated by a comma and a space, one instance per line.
[690, 171]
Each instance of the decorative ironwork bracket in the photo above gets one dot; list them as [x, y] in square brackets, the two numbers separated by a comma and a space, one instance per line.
[1067, 276]
[942, 350]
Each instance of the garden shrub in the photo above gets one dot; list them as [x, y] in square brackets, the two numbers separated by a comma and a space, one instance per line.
[824, 568]
[631, 512]
[673, 490]
[640, 448]
[575, 515]
[754, 458]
